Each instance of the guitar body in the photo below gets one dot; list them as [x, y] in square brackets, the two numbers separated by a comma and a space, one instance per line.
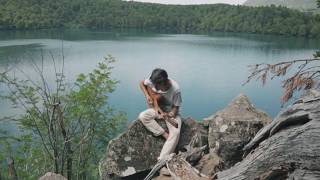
[155, 99]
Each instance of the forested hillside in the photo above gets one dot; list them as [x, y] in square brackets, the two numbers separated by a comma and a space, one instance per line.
[110, 14]
[295, 4]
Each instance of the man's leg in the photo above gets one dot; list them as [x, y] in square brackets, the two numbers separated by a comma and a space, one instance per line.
[173, 139]
[147, 117]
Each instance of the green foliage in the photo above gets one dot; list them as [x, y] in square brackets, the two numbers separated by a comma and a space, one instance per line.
[115, 14]
[63, 130]
[304, 5]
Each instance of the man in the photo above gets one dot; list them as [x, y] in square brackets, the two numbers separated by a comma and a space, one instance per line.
[169, 102]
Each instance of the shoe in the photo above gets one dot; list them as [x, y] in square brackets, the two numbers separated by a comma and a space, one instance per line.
[164, 171]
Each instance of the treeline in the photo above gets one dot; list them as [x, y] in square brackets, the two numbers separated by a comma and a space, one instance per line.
[114, 14]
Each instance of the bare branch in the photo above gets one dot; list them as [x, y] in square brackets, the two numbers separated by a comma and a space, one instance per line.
[305, 75]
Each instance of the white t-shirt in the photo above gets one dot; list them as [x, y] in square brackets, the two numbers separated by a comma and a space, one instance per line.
[172, 97]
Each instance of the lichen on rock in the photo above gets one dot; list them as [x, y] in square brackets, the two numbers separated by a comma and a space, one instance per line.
[136, 150]
[233, 127]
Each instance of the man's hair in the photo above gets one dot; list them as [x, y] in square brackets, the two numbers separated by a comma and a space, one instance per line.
[158, 76]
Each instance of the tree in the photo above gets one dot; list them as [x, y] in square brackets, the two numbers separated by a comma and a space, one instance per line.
[305, 75]
[63, 129]
[111, 14]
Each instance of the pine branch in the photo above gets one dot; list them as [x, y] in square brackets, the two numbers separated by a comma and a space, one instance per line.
[305, 75]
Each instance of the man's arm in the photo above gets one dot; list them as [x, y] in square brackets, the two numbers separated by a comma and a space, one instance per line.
[151, 98]
[145, 92]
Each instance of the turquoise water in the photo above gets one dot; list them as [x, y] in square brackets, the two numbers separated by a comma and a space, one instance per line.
[209, 68]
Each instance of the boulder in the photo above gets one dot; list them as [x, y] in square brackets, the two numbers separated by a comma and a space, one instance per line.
[204, 147]
[233, 127]
[194, 133]
[288, 148]
[52, 176]
[136, 150]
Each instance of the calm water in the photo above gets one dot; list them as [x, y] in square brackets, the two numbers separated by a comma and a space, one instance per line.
[209, 68]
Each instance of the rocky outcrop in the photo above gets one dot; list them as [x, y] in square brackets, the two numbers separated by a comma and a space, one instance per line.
[52, 176]
[233, 127]
[288, 148]
[136, 150]
[225, 133]
[132, 152]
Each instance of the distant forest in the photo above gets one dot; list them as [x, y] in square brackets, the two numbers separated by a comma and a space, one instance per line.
[117, 14]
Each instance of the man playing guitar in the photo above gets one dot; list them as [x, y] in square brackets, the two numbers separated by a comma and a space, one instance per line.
[163, 96]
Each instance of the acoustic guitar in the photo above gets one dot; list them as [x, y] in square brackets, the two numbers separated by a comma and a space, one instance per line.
[155, 104]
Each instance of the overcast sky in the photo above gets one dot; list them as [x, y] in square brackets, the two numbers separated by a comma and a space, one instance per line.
[194, 1]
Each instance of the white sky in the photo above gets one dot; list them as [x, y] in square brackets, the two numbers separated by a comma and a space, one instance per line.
[193, 1]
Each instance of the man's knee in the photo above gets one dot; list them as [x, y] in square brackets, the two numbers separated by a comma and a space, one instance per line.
[147, 115]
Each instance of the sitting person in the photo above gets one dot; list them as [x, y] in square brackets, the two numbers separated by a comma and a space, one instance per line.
[168, 95]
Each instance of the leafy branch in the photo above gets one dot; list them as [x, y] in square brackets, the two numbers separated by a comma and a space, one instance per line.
[66, 129]
[305, 75]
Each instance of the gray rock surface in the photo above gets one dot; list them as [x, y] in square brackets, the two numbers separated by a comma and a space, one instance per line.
[288, 148]
[136, 150]
[195, 131]
[233, 127]
[210, 164]
[205, 146]
[52, 176]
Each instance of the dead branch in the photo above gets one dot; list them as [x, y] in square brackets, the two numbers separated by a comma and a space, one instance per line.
[305, 75]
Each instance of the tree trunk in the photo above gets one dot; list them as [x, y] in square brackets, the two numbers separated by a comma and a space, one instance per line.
[67, 142]
[0, 175]
[84, 171]
[53, 136]
[288, 148]
[12, 170]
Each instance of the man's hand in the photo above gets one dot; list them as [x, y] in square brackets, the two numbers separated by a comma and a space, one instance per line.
[163, 115]
[171, 114]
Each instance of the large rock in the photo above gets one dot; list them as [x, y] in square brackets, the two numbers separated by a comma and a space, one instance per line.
[288, 148]
[233, 127]
[136, 150]
[193, 132]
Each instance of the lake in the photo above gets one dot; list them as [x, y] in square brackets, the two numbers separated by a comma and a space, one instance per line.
[210, 69]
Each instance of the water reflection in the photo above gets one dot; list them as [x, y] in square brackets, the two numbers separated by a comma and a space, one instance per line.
[209, 68]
